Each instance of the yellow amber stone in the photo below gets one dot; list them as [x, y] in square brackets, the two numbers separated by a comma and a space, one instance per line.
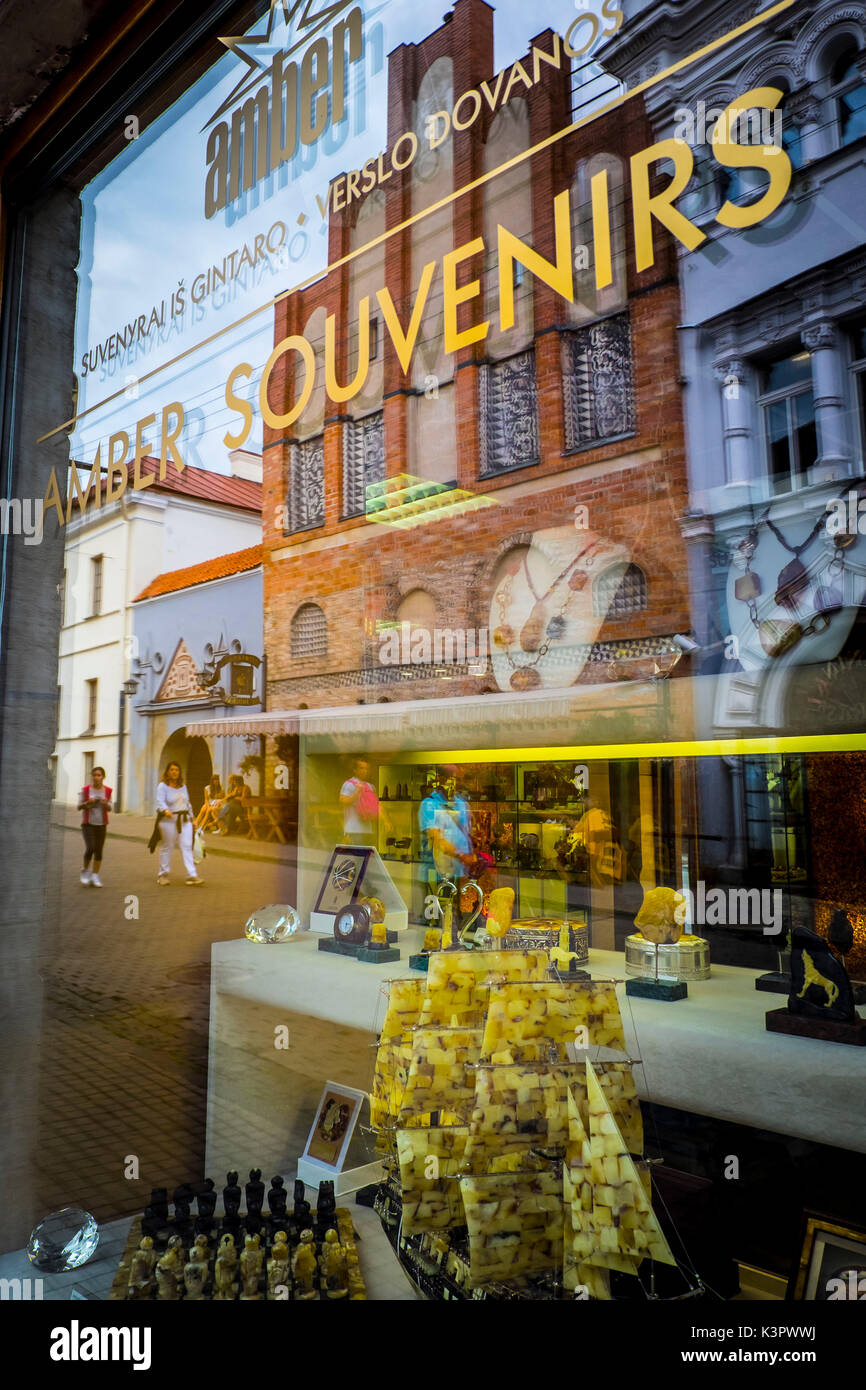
[661, 915]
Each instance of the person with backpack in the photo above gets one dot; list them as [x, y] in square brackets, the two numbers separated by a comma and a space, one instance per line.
[94, 804]
[360, 807]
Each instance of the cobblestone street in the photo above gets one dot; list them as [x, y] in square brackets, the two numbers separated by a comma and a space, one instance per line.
[124, 1037]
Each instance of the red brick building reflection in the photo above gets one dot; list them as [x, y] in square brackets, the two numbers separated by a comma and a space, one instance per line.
[552, 452]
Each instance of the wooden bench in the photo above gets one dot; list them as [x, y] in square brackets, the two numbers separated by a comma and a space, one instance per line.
[266, 815]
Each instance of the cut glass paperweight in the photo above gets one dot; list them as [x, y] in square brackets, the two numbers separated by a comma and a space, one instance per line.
[278, 922]
[64, 1240]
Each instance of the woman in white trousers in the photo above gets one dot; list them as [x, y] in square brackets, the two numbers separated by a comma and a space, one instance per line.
[175, 824]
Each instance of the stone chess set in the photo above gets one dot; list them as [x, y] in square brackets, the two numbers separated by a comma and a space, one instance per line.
[302, 1254]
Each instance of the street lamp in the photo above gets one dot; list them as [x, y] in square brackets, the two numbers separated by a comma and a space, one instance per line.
[127, 690]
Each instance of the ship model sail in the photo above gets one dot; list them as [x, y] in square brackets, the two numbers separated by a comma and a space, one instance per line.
[513, 1163]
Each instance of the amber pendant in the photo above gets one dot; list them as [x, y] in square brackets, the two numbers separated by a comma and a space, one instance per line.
[778, 636]
[577, 579]
[532, 633]
[526, 678]
[748, 586]
[792, 582]
[503, 636]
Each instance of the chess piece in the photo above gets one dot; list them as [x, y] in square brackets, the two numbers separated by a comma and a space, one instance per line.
[255, 1191]
[141, 1279]
[194, 1275]
[278, 1198]
[251, 1267]
[206, 1199]
[156, 1212]
[231, 1201]
[334, 1268]
[168, 1272]
[301, 1208]
[304, 1267]
[182, 1197]
[225, 1288]
[326, 1205]
[200, 1252]
[278, 1268]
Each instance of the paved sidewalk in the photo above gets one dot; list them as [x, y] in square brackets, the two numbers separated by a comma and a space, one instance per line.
[125, 826]
[123, 1010]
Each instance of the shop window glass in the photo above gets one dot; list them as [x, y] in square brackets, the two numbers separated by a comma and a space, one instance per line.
[363, 461]
[508, 411]
[848, 91]
[788, 409]
[307, 483]
[857, 334]
[598, 387]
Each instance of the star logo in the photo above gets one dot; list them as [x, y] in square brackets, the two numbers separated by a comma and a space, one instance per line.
[295, 29]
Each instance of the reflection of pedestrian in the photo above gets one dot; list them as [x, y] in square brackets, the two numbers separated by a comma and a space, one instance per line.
[232, 809]
[433, 802]
[175, 824]
[94, 803]
[449, 833]
[360, 807]
[595, 831]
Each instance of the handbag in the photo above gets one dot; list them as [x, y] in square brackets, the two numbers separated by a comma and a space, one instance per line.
[155, 836]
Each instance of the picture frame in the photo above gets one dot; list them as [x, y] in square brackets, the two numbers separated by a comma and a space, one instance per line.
[333, 1126]
[831, 1265]
[339, 889]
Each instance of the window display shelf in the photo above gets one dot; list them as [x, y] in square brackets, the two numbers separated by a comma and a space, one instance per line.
[709, 1054]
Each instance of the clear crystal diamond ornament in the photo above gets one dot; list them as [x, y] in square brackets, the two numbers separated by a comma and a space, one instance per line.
[64, 1240]
[278, 922]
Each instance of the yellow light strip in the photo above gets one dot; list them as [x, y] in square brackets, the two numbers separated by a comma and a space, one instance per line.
[684, 748]
[654, 81]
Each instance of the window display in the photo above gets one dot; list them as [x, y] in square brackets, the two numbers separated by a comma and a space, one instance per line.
[442, 439]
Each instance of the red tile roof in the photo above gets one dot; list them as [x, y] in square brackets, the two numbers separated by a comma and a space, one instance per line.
[202, 483]
[194, 482]
[220, 568]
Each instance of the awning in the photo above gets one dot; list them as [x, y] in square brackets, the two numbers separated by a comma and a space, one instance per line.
[495, 719]
[239, 725]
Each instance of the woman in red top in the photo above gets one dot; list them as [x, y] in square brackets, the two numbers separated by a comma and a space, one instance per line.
[94, 802]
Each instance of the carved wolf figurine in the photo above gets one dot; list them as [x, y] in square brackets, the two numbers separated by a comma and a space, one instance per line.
[820, 986]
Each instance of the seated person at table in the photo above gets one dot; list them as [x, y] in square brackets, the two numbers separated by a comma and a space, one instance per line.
[213, 799]
[232, 810]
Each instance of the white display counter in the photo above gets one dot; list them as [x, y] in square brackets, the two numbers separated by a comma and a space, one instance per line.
[710, 1053]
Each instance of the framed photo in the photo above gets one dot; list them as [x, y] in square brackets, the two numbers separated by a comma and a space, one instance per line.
[336, 1116]
[832, 1263]
[343, 877]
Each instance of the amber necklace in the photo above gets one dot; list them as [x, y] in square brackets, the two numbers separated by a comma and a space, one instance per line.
[539, 630]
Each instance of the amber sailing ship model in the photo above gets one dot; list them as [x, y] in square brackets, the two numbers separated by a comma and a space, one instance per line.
[513, 1163]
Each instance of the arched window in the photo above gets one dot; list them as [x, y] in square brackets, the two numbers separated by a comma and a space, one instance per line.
[619, 591]
[590, 301]
[847, 92]
[418, 609]
[309, 635]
